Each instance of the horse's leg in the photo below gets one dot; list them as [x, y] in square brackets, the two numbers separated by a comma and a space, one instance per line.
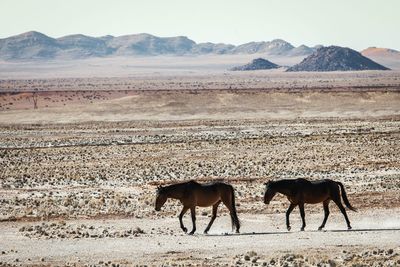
[227, 199]
[214, 215]
[290, 209]
[303, 215]
[326, 213]
[184, 210]
[193, 213]
[343, 210]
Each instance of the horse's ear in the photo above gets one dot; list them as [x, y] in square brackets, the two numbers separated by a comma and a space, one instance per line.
[159, 187]
[266, 183]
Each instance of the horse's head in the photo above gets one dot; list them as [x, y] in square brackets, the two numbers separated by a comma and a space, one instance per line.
[161, 197]
[269, 192]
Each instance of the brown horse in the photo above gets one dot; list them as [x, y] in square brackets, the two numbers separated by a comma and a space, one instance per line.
[192, 194]
[301, 191]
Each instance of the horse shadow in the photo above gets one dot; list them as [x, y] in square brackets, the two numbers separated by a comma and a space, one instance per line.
[251, 233]
[312, 231]
[360, 230]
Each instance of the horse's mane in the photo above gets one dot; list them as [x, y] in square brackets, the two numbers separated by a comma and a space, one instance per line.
[282, 183]
[176, 186]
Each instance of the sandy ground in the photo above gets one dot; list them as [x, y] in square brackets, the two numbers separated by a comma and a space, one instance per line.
[145, 66]
[246, 95]
[201, 80]
[215, 105]
[132, 66]
[78, 181]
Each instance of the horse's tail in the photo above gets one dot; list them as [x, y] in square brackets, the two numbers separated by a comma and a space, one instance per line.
[234, 217]
[344, 196]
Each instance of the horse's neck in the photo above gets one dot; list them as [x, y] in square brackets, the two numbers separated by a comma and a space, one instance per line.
[175, 192]
[284, 189]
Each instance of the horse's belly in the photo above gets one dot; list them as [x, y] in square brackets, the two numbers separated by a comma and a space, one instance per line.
[316, 194]
[207, 201]
[314, 199]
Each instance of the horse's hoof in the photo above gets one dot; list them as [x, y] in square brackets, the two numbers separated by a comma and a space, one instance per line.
[205, 232]
[288, 228]
[320, 228]
[184, 229]
[237, 231]
[302, 229]
[349, 228]
[191, 233]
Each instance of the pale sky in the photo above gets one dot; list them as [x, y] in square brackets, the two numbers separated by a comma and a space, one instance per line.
[354, 23]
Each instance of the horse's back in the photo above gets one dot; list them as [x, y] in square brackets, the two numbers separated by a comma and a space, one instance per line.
[216, 185]
[212, 186]
[210, 193]
[317, 183]
[316, 191]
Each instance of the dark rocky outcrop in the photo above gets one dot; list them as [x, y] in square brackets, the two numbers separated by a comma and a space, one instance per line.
[257, 64]
[336, 58]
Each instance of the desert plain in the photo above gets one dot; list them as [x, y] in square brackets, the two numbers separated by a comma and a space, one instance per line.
[78, 174]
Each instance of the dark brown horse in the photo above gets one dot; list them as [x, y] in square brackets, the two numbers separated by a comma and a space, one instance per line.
[301, 191]
[192, 194]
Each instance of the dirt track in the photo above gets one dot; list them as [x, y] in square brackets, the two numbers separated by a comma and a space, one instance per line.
[262, 236]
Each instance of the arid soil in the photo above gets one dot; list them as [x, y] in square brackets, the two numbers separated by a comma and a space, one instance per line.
[276, 80]
[79, 191]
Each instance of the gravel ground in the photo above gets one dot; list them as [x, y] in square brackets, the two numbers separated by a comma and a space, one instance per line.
[65, 187]
[78, 179]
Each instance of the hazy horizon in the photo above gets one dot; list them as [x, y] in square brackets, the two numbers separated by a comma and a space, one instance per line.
[357, 24]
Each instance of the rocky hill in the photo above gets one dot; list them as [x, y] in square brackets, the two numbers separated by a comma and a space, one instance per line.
[336, 58]
[257, 64]
[35, 45]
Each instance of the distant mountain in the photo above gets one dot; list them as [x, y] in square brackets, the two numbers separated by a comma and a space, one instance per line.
[78, 46]
[211, 48]
[380, 52]
[385, 56]
[302, 50]
[275, 47]
[35, 45]
[336, 58]
[257, 64]
[146, 44]
[29, 45]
